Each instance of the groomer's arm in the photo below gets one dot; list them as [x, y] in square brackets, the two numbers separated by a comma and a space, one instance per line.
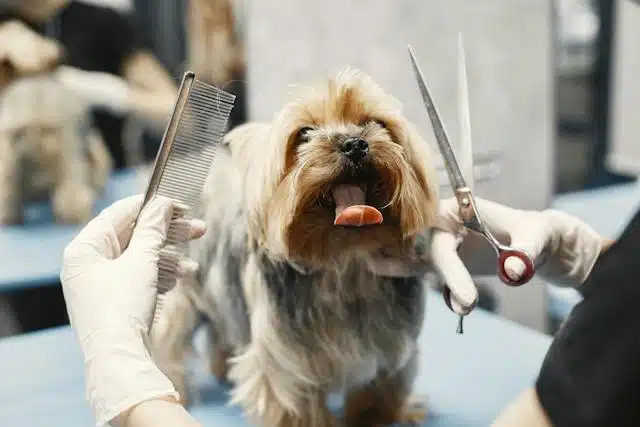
[589, 376]
[109, 280]
[153, 91]
[606, 244]
[571, 249]
[524, 411]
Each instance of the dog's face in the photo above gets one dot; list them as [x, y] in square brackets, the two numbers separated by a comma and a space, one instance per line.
[39, 120]
[344, 173]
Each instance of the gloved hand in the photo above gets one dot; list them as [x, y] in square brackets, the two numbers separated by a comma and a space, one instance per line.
[24, 50]
[434, 251]
[97, 88]
[563, 247]
[110, 294]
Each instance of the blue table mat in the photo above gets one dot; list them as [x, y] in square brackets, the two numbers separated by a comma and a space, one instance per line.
[467, 379]
[31, 254]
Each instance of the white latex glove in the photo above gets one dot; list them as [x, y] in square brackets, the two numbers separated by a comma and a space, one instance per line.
[434, 252]
[97, 88]
[110, 296]
[563, 248]
[25, 50]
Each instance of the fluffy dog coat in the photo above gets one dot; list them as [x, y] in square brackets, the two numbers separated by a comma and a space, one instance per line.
[294, 306]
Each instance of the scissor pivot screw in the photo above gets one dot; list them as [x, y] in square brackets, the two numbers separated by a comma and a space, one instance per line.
[465, 202]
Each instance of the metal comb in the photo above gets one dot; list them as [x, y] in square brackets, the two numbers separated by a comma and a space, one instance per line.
[189, 144]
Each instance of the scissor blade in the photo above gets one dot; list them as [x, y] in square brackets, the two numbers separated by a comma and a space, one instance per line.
[464, 118]
[453, 170]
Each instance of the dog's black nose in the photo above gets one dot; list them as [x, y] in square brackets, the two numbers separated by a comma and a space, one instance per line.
[355, 148]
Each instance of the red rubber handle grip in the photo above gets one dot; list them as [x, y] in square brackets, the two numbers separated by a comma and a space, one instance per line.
[529, 269]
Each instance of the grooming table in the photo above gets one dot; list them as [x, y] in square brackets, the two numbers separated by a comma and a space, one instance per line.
[607, 210]
[31, 254]
[467, 378]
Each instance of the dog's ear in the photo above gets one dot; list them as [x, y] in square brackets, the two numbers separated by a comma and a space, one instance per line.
[422, 162]
[262, 165]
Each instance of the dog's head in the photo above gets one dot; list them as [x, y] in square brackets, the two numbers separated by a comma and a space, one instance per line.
[40, 117]
[341, 172]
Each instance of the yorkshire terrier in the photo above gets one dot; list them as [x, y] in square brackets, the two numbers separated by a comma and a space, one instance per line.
[297, 211]
[48, 151]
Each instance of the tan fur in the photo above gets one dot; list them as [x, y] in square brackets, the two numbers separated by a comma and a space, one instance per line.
[48, 150]
[220, 363]
[380, 403]
[215, 50]
[294, 311]
[351, 98]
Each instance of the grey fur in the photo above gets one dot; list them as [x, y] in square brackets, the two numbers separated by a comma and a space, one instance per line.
[378, 329]
[293, 320]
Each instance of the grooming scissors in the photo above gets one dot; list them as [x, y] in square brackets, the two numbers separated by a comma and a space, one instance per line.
[469, 214]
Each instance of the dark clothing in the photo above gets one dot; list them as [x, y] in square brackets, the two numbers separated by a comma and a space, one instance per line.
[240, 114]
[94, 38]
[591, 374]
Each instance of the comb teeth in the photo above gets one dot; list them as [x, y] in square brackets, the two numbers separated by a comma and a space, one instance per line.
[201, 125]
[200, 129]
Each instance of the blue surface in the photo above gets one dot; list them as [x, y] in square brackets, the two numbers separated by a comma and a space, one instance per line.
[467, 379]
[31, 254]
[607, 210]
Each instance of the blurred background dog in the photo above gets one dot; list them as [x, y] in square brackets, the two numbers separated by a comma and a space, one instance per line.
[49, 150]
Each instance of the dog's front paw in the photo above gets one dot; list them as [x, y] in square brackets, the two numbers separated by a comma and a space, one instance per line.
[11, 217]
[377, 416]
[382, 405]
[412, 413]
[219, 365]
[73, 203]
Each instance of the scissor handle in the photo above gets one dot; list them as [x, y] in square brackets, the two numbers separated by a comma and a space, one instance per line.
[529, 267]
[447, 295]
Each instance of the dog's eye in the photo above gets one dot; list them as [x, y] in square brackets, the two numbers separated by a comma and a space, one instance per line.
[303, 135]
[19, 134]
[378, 123]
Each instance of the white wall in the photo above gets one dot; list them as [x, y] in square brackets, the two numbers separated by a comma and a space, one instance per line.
[624, 143]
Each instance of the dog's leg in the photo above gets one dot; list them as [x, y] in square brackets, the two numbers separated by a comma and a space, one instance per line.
[386, 400]
[171, 338]
[73, 202]
[273, 397]
[219, 354]
[100, 161]
[73, 196]
[10, 194]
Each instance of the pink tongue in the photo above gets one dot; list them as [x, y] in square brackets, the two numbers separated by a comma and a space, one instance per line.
[351, 211]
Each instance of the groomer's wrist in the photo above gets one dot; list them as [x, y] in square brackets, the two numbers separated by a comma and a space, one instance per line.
[575, 248]
[606, 244]
[120, 372]
[159, 412]
[130, 416]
